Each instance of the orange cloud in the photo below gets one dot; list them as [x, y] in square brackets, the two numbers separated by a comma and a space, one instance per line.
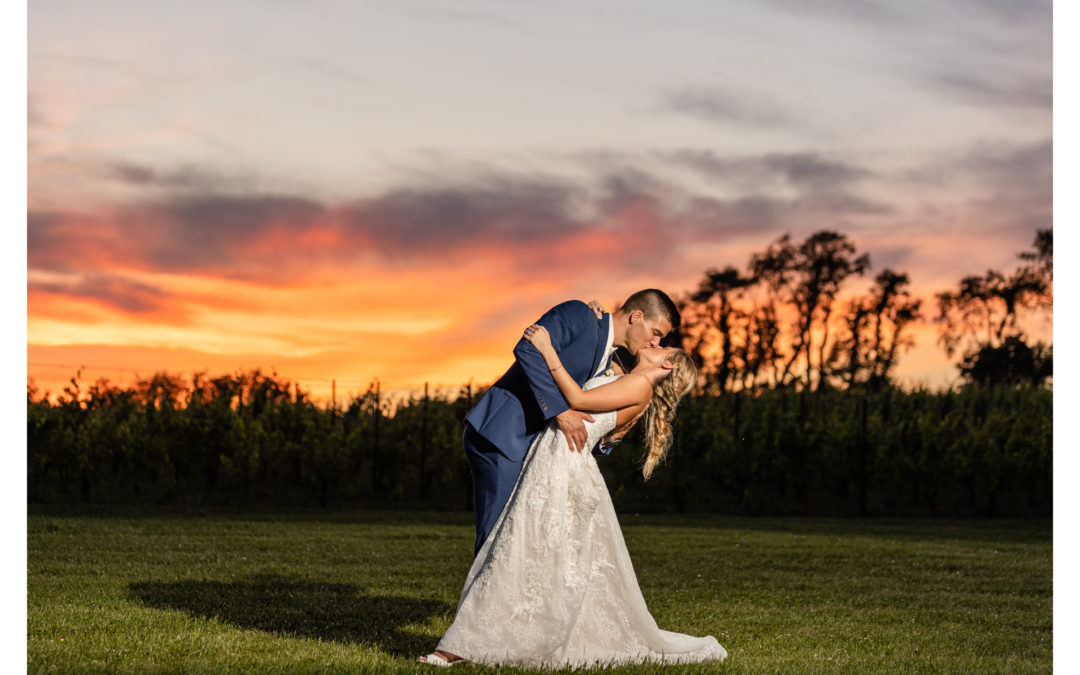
[414, 285]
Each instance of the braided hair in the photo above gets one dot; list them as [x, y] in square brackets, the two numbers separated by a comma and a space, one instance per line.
[660, 415]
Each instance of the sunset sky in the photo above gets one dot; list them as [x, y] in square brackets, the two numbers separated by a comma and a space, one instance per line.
[349, 190]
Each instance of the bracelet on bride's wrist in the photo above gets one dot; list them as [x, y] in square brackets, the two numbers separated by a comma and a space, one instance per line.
[555, 368]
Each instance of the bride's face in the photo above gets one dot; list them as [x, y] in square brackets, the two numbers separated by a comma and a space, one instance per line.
[653, 357]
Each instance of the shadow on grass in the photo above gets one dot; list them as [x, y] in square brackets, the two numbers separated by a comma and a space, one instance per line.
[295, 607]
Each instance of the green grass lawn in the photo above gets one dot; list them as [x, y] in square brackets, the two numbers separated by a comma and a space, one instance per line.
[306, 591]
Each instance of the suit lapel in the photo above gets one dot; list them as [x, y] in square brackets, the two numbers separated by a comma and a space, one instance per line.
[602, 327]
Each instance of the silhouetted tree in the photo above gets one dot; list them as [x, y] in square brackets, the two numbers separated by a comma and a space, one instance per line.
[1012, 363]
[1041, 264]
[761, 349]
[774, 269]
[713, 319]
[738, 327]
[875, 324]
[161, 390]
[981, 317]
[809, 277]
[984, 309]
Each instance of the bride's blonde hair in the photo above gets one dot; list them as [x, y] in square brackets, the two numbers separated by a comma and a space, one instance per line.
[661, 412]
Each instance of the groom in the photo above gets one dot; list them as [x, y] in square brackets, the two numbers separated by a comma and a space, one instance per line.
[502, 426]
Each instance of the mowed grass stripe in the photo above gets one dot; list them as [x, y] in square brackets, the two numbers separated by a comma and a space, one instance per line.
[302, 591]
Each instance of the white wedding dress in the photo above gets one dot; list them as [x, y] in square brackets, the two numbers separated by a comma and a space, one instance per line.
[553, 584]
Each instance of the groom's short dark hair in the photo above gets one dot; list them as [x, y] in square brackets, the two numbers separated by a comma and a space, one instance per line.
[653, 302]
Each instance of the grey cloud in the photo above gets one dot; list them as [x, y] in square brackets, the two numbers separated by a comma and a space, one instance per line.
[1010, 162]
[892, 15]
[736, 216]
[996, 167]
[222, 234]
[1009, 186]
[989, 52]
[751, 214]
[1005, 90]
[1020, 175]
[40, 228]
[866, 11]
[842, 205]
[805, 169]
[274, 237]
[115, 291]
[182, 178]
[812, 169]
[66, 241]
[723, 104]
[1012, 184]
[441, 218]
[894, 257]
[624, 186]
[215, 230]
[825, 187]
[1017, 182]
[261, 236]
[985, 52]
[1031, 13]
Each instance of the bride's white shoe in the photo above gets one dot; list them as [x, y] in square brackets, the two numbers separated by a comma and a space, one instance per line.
[434, 659]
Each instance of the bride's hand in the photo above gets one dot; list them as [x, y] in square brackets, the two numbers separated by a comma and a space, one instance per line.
[538, 336]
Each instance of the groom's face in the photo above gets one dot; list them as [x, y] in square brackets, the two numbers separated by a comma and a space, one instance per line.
[644, 332]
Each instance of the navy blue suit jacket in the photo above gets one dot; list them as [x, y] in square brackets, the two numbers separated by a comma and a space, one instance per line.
[522, 402]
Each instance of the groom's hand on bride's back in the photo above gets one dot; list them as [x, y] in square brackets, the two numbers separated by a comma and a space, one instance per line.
[572, 424]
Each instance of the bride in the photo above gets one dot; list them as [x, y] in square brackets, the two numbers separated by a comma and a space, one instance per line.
[553, 584]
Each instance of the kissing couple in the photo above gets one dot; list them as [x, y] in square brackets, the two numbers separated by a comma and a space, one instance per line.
[552, 584]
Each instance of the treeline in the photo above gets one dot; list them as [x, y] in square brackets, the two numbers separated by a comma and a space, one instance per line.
[979, 451]
[249, 438]
[254, 439]
[782, 323]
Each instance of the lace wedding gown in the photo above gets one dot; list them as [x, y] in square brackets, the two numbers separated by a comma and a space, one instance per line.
[553, 584]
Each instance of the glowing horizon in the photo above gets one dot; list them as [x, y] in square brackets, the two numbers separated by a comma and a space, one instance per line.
[395, 192]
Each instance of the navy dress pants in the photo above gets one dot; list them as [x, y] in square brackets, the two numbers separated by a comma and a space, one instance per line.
[494, 477]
